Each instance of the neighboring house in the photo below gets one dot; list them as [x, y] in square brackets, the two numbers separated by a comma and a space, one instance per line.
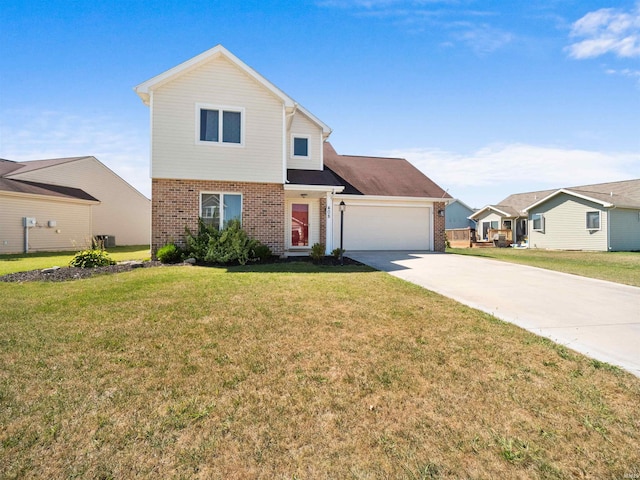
[226, 143]
[72, 200]
[457, 215]
[604, 216]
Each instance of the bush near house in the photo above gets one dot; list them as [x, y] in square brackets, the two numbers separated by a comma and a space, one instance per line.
[91, 258]
[231, 245]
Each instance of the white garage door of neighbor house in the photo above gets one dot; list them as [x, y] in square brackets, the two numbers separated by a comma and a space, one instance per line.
[384, 228]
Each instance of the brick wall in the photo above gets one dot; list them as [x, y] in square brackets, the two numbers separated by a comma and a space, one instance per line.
[438, 228]
[175, 205]
[323, 221]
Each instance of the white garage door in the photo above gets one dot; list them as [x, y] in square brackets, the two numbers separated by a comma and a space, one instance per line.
[384, 227]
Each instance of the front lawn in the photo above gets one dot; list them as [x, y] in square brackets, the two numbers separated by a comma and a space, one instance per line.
[294, 371]
[22, 262]
[620, 267]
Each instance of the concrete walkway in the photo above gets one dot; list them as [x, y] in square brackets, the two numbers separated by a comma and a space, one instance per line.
[598, 318]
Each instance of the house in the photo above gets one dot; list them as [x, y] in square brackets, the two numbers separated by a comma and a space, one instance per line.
[459, 227]
[70, 201]
[457, 215]
[604, 217]
[226, 143]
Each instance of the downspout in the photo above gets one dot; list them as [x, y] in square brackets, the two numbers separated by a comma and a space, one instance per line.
[609, 227]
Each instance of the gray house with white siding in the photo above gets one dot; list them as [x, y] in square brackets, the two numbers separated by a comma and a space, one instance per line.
[603, 217]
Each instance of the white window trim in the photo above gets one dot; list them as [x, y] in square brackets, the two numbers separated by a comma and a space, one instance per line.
[221, 109]
[292, 150]
[222, 194]
[541, 229]
[586, 216]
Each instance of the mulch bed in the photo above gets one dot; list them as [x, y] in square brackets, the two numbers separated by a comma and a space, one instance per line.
[72, 273]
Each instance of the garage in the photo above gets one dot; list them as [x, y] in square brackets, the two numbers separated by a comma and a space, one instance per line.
[379, 226]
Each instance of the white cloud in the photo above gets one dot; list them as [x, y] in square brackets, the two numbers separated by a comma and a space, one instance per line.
[608, 30]
[484, 38]
[418, 16]
[496, 171]
[35, 135]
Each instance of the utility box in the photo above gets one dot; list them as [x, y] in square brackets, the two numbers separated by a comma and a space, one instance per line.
[106, 241]
[28, 222]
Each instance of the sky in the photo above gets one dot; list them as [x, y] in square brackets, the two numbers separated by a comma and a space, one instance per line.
[486, 97]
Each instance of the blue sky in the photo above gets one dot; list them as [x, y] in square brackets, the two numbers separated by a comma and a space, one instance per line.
[486, 97]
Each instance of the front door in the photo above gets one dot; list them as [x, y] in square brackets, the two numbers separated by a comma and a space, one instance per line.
[299, 225]
[485, 230]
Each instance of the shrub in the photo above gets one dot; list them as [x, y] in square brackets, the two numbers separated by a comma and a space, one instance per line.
[229, 245]
[317, 252]
[262, 253]
[170, 253]
[91, 258]
[336, 252]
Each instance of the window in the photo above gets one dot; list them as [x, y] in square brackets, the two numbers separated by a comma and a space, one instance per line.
[219, 124]
[593, 220]
[538, 222]
[494, 224]
[300, 147]
[506, 224]
[218, 209]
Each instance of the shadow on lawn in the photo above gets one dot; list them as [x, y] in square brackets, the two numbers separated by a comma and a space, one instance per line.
[303, 265]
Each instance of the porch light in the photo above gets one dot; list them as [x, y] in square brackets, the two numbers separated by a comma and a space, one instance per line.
[343, 206]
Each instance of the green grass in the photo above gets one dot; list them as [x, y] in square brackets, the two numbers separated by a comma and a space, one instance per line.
[619, 267]
[23, 262]
[294, 371]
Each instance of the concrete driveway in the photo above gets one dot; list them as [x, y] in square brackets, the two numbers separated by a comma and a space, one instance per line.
[598, 318]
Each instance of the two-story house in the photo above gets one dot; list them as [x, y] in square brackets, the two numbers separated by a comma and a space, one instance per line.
[226, 143]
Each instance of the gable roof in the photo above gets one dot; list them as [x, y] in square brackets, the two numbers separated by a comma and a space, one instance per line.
[504, 210]
[624, 193]
[34, 188]
[145, 88]
[379, 176]
[621, 194]
[9, 169]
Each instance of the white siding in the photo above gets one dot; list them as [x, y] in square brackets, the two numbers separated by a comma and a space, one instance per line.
[303, 127]
[624, 229]
[72, 230]
[175, 152]
[565, 225]
[489, 216]
[123, 212]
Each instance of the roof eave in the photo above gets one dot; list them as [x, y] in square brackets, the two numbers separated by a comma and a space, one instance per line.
[568, 192]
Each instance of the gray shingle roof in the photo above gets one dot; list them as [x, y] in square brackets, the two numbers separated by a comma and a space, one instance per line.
[625, 193]
[8, 168]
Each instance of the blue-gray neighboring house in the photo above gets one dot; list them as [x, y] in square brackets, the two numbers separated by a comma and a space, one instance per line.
[457, 215]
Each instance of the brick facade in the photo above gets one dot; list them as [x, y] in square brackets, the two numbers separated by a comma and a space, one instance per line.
[323, 221]
[439, 243]
[175, 204]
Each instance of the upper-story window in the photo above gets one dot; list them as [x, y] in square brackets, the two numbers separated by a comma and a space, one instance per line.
[222, 125]
[300, 146]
